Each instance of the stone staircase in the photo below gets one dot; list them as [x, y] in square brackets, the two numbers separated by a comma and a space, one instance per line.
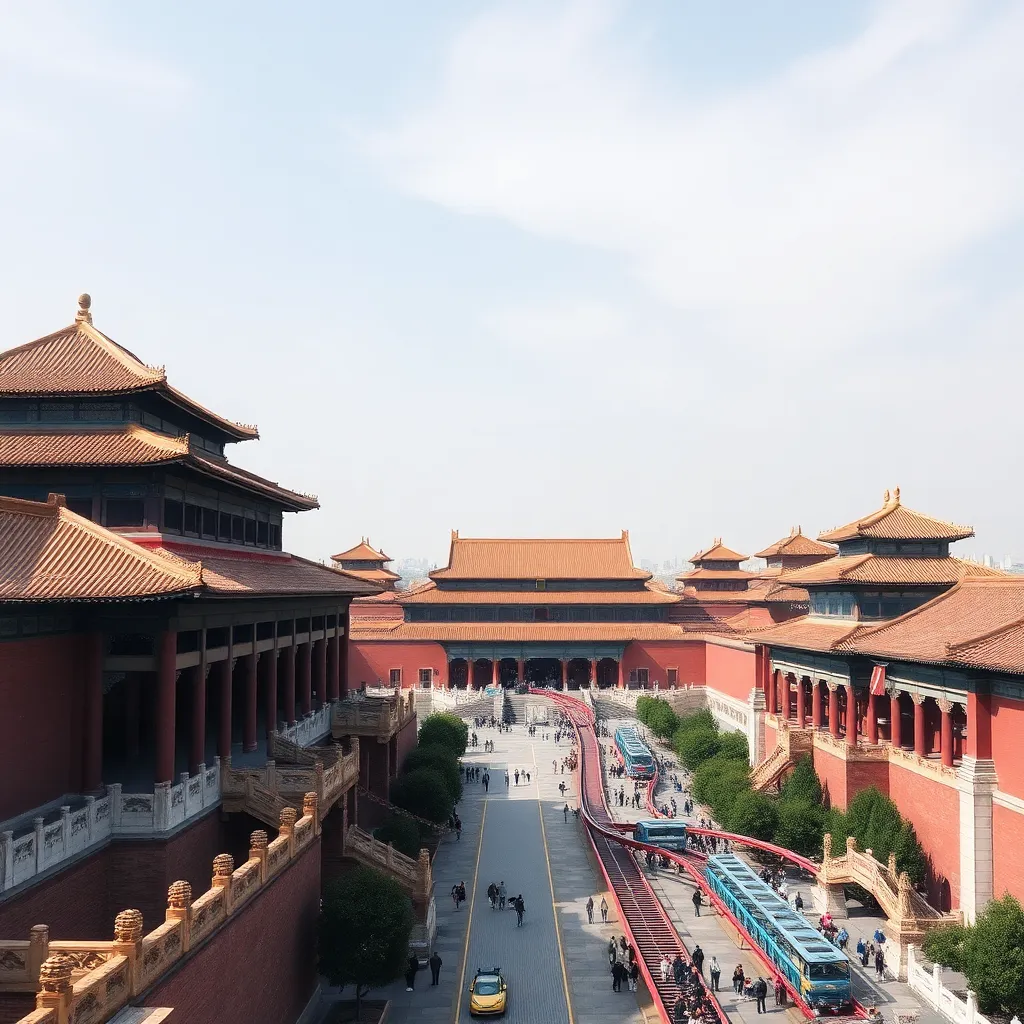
[770, 771]
[414, 875]
[515, 708]
[282, 750]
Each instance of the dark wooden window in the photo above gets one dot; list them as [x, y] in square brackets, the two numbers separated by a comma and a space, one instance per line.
[275, 536]
[540, 615]
[237, 529]
[250, 531]
[210, 522]
[224, 526]
[125, 512]
[261, 533]
[395, 676]
[174, 515]
[191, 518]
[81, 506]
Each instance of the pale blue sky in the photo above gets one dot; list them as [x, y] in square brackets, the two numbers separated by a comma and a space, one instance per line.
[546, 268]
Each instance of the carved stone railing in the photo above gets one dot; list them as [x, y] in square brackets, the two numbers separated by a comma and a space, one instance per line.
[309, 729]
[372, 716]
[265, 792]
[413, 875]
[286, 751]
[90, 826]
[931, 766]
[92, 981]
[768, 771]
[449, 699]
[927, 982]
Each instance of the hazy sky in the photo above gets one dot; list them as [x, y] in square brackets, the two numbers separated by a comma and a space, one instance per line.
[546, 268]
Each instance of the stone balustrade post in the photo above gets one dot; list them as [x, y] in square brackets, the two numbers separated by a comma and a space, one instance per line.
[161, 806]
[258, 843]
[272, 776]
[936, 985]
[179, 907]
[6, 860]
[90, 816]
[65, 828]
[37, 826]
[55, 991]
[309, 809]
[128, 943]
[223, 866]
[287, 828]
[972, 1006]
[38, 949]
[114, 792]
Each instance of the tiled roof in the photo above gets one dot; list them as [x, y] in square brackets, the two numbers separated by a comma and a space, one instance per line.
[80, 360]
[876, 569]
[50, 554]
[716, 574]
[474, 558]
[806, 633]
[894, 521]
[520, 632]
[796, 544]
[721, 596]
[978, 623]
[432, 595]
[375, 575]
[131, 444]
[265, 573]
[362, 552]
[718, 552]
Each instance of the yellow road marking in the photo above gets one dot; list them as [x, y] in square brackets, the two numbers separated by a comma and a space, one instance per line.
[469, 923]
[554, 907]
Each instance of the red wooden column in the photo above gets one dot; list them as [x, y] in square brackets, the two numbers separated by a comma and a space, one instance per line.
[918, 700]
[321, 669]
[801, 710]
[270, 681]
[979, 726]
[132, 714]
[786, 713]
[92, 753]
[166, 684]
[816, 704]
[305, 673]
[288, 672]
[198, 745]
[224, 669]
[334, 662]
[343, 654]
[622, 684]
[851, 716]
[565, 674]
[521, 669]
[872, 718]
[495, 678]
[895, 720]
[773, 692]
[593, 671]
[833, 710]
[251, 695]
[946, 733]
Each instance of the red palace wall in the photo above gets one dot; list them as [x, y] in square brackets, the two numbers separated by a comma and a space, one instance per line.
[730, 671]
[261, 967]
[933, 808]
[42, 708]
[371, 660]
[1007, 749]
[686, 656]
[1008, 851]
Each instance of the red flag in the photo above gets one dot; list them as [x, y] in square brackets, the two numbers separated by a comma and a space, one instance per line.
[877, 681]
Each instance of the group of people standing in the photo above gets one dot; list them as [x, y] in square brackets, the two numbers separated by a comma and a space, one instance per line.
[624, 964]
[497, 896]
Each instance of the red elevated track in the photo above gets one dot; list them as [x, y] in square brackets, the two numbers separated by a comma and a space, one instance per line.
[642, 915]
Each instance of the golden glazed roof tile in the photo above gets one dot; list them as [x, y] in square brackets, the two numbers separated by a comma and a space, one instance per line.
[882, 571]
[475, 558]
[894, 521]
[79, 360]
[701, 573]
[375, 575]
[48, 553]
[796, 544]
[362, 552]
[808, 633]
[718, 552]
[431, 594]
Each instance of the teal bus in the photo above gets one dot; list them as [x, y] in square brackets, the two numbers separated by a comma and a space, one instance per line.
[666, 833]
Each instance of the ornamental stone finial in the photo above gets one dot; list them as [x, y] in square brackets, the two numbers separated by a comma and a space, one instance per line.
[128, 926]
[288, 817]
[84, 305]
[896, 495]
[309, 805]
[885, 497]
[55, 973]
[179, 895]
[258, 840]
[828, 845]
[223, 865]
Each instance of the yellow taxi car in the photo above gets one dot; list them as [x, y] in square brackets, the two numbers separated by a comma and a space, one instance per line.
[488, 993]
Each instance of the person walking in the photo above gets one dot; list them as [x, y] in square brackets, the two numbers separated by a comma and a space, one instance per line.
[880, 964]
[761, 994]
[565, 813]
[679, 1011]
[696, 901]
[506, 779]
[455, 895]
[679, 971]
[520, 909]
[617, 972]
[458, 828]
[486, 780]
[411, 968]
[634, 975]
[698, 959]
[666, 968]
[716, 972]
[780, 992]
[517, 776]
[501, 895]
[435, 967]
[737, 979]
[612, 953]
[492, 895]
[604, 910]
[590, 910]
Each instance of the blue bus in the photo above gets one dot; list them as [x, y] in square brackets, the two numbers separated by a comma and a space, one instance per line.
[667, 833]
[814, 967]
[634, 753]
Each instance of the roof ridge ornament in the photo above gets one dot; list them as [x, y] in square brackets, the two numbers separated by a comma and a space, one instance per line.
[885, 497]
[896, 495]
[84, 305]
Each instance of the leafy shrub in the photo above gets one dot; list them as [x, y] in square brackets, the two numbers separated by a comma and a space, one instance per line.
[441, 759]
[643, 707]
[423, 792]
[662, 720]
[402, 832]
[946, 946]
[801, 827]
[717, 784]
[695, 746]
[803, 785]
[698, 720]
[875, 822]
[753, 814]
[445, 729]
[734, 746]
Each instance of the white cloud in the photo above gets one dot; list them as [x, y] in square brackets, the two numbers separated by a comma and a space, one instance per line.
[817, 207]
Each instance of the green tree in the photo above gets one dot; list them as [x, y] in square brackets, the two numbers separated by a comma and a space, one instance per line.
[753, 814]
[662, 720]
[946, 946]
[446, 729]
[717, 784]
[877, 825]
[801, 827]
[403, 833]
[695, 746]
[643, 707]
[993, 957]
[442, 760]
[803, 785]
[734, 746]
[423, 792]
[698, 720]
[365, 926]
